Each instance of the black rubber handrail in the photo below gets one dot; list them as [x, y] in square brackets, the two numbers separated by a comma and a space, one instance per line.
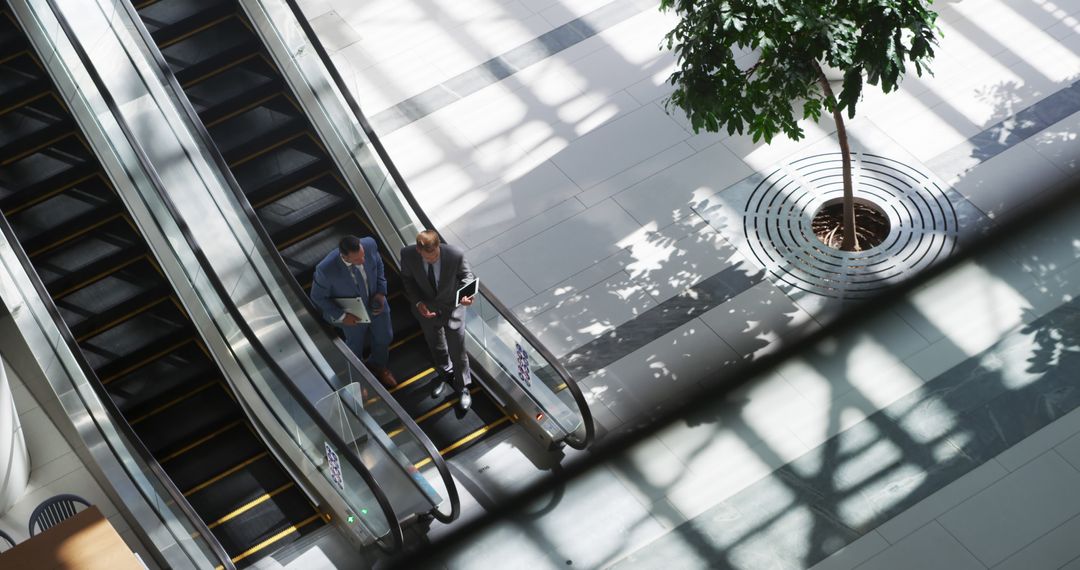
[395, 174]
[219, 288]
[290, 285]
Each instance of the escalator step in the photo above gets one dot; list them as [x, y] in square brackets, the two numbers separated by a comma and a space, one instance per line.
[162, 379]
[169, 19]
[102, 251]
[33, 177]
[280, 169]
[265, 521]
[242, 136]
[233, 89]
[115, 297]
[211, 457]
[209, 50]
[64, 214]
[410, 358]
[31, 125]
[449, 425]
[135, 339]
[187, 420]
[20, 80]
[304, 210]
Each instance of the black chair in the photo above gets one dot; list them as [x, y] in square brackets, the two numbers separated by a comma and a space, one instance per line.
[6, 542]
[54, 511]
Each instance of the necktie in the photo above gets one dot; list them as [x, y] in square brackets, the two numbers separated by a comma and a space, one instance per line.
[431, 277]
[352, 272]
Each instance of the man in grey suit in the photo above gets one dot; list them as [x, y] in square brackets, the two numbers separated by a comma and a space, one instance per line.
[355, 270]
[431, 274]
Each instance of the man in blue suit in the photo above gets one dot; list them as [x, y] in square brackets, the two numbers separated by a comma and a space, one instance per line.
[355, 270]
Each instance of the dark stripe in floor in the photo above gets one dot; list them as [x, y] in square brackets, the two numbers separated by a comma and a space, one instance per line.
[675, 312]
[861, 478]
[660, 320]
[502, 66]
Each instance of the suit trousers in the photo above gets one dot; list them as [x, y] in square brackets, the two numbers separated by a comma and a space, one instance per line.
[381, 334]
[447, 346]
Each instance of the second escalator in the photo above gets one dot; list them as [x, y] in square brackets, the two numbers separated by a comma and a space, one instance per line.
[294, 187]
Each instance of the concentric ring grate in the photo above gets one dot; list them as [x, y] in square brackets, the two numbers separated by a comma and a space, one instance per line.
[924, 225]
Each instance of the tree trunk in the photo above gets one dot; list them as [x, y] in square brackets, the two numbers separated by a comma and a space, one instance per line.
[849, 243]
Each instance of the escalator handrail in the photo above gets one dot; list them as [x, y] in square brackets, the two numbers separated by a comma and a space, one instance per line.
[261, 234]
[395, 174]
[219, 288]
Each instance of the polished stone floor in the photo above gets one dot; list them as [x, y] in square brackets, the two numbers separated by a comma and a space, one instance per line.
[939, 435]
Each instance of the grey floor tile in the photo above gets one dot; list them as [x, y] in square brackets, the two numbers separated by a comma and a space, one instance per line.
[926, 510]
[1070, 450]
[1052, 550]
[509, 288]
[1058, 432]
[1005, 182]
[758, 320]
[850, 556]
[1016, 510]
[929, 548]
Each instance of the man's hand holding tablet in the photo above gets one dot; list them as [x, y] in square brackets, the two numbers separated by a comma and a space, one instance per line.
[467, 292]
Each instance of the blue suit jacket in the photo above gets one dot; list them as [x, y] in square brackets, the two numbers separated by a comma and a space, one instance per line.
[332, 280]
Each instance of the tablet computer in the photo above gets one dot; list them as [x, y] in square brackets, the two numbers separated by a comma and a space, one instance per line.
[355, 306]
[468, 290]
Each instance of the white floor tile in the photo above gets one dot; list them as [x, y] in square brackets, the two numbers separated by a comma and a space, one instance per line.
[571, 246]
[526, 230]
[618, 145]
[565, 290]
[1060, 143]
[503, 204]
[692, 183]
[594, 312]
[669, 261]
[507, 286]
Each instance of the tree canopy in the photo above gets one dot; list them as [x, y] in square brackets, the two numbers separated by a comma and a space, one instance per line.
[868, 40]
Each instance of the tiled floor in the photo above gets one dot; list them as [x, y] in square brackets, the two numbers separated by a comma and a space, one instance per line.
[534, 133]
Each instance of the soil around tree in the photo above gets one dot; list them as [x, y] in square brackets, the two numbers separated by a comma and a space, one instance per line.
[871, 226]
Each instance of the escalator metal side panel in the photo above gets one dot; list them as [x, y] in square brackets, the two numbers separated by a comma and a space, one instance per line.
[34, 345]
[232, 305]
[118, 160]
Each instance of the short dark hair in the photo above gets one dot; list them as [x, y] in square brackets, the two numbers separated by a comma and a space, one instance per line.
[349, 244]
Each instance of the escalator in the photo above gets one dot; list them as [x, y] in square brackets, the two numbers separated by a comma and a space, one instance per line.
[294, 187]
[128, 321]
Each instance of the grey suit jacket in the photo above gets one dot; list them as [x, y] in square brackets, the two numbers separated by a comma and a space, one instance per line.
[454, 272]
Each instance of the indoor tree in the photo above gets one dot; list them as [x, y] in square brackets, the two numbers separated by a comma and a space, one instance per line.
[778, 78]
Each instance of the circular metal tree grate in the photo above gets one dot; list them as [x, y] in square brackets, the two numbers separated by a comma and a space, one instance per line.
[778, 215]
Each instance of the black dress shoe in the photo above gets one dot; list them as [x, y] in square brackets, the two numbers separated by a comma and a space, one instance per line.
[465, 401]
[440, 388]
